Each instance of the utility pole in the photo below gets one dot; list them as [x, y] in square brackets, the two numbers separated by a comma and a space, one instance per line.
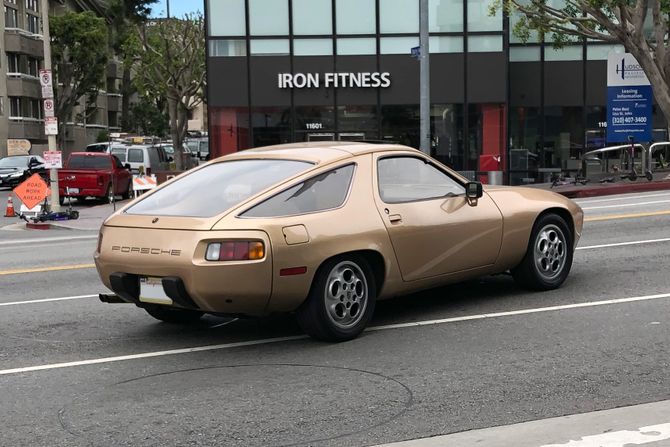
[168, 8]
[46, 36]
[424, 78]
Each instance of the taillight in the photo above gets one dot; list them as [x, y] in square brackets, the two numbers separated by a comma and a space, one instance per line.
[100, 180]
[235, 251]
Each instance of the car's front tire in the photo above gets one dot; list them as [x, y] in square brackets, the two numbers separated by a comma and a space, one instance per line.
[549, 254]
[341, 300]
[172, 315]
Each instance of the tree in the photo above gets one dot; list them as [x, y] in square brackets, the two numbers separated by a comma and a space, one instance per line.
[172, 65]
[79, 57]
[125, 15]
[149, 117]
[641, 26]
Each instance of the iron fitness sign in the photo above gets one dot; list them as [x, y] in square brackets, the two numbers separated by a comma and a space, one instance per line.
[336, 80]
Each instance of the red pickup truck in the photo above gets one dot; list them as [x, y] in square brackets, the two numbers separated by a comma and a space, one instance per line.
[92, 174]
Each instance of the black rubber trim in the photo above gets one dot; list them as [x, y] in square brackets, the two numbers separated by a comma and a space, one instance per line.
[175, 289]
[126, 286]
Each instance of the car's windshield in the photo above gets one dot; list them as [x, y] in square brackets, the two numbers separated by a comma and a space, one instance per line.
[14, 162]
[217, 188]
[89, 162]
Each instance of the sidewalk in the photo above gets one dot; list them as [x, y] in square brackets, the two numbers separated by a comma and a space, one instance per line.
[606, 189]
[90, 219]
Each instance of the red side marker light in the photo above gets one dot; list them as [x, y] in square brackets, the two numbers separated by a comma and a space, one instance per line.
[293, 271]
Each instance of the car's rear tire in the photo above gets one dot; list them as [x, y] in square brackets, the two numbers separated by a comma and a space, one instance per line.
[172, 315]
[341, 300]
[549, 255]
[129, 191]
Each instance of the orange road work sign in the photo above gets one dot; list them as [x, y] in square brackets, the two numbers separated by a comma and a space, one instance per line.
[32, 191]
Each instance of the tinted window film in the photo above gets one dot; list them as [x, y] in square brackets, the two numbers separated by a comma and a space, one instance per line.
[406, 179]
[89, 162]
[323, 192]
[215, 188]
[135, 156]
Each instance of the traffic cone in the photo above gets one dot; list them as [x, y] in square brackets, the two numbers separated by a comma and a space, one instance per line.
[9, 211]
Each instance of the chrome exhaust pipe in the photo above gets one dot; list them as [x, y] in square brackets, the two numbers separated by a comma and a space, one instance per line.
[111, 298]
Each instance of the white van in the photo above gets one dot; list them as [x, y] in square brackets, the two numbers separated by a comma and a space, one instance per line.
[151, 158]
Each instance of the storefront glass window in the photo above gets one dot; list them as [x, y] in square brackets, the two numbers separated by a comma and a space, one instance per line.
[563, 136]
[487, 129]
[312, 17]
[271, 125]
[446, 123]
[567, 53]
[226, 18]
[313, 47]
[445, 16]
[479, 18]
[270, 47]
[600, 52]
[356, 17]
[400, 124]
[355, 45]
[595, 135]
[357, 118]
[398, 45]
[314, 119]
[524, 54]
[446, 44]
[223, 48]
[399, 16]
[268, 17]
[229, 130]
[482, 44]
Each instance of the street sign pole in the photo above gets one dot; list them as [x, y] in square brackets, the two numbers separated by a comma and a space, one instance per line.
[424, 58]
[53, 173]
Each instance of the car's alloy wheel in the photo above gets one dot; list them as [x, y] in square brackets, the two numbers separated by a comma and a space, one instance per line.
[109, 196]
[341, 300]
[129, 191]
[549, 255]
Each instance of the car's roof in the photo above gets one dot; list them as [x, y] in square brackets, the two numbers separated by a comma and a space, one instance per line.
[318, 152]
[91, 154]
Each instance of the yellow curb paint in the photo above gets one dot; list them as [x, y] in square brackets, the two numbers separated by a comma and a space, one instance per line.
[626, 216]
[47, 269]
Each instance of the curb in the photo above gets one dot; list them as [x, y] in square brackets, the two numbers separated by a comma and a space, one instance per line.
[577, 192]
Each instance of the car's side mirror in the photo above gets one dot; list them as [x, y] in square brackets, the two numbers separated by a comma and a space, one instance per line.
[127, 166]
[473, 190]
[33, 162]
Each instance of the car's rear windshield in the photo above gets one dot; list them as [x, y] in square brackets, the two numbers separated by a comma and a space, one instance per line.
[121, 153]
[89, 162]
[217, 188]
[14, 162]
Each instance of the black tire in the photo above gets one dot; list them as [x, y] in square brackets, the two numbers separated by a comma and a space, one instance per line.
[108, 198]
[357, 293]
[548, 257]
[129, 191]
[172, 315]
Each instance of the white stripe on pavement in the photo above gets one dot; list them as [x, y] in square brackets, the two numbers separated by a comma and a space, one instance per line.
[47, 300]
[624, 205]
[46, 239]
[614, 199]
[299, 337]
[621, 244]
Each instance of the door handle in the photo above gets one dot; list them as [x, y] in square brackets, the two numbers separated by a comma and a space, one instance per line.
[395, 217]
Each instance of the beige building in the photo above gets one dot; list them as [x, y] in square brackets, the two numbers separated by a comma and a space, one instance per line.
[21, 115]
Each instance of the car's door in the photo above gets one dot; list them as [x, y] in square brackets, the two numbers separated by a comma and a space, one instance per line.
[434, 228]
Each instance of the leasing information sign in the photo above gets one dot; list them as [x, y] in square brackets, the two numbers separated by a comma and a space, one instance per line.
[629, 100]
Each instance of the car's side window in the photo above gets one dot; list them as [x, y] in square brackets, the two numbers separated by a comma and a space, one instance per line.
[135, 156]
[324, 192]
[409, 179]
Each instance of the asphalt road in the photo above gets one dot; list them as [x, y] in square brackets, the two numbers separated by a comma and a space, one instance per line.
[74, 371]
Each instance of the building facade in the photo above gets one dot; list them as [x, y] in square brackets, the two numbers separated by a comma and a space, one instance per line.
[21, 114]
[303, 70]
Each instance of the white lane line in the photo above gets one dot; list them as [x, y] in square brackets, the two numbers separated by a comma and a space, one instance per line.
[300, 337]
[46, 239]
[621, 244]
[586, 201]
[48, 300]
[624, 205]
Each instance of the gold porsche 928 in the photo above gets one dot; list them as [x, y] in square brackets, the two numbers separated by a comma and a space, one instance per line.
[325, 230]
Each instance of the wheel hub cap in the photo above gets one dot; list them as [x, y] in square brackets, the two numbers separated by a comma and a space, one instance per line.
[346, 294]
[550, 251]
